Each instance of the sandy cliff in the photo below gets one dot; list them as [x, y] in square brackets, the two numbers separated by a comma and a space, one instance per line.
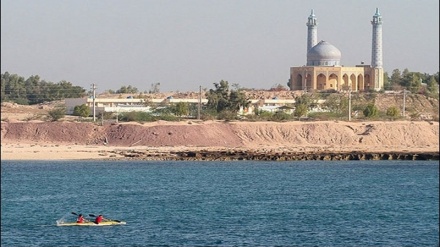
[330, 135]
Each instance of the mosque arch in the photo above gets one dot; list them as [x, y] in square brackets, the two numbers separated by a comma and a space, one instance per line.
[353, 82]
[344, 84]
[321, 82]
[298, 82]
[333, 81]
[360, 83]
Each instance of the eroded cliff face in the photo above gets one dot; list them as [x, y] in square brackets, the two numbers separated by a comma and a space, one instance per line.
[372, 135]
[386, 136]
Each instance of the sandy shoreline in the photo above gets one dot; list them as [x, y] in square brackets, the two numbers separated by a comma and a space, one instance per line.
[87, 141]
[20, 151]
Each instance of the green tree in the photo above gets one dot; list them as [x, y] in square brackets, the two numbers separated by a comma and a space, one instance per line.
[70, 91]
[412, 81]
[14, 88]
[57, 113]
[33, 90]
[3, 88]
[371, 111]
[181, 109]
[155, 88]
[305, 99]
[300, 110]
[237, 99]
[223, 99]
[337, 103]
[433, 87]
[127, 89]
[81, 110]
[405, 78]
[393, 112]
[386, 81]
[396, 78]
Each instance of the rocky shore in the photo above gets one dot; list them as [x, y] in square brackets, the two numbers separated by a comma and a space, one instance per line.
[206, 155]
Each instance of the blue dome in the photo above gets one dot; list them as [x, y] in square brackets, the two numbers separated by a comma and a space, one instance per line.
[323, 54]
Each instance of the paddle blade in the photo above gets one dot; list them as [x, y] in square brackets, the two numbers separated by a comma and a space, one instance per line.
[74, 213]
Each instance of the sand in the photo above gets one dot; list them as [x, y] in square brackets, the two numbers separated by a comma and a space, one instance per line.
[36, 140]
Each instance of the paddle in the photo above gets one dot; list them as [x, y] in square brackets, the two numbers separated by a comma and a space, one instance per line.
[92, 215]
[86, 220]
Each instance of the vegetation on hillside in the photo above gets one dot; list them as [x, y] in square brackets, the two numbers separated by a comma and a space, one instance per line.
[415, 82]
[15, 88]
[225, 102]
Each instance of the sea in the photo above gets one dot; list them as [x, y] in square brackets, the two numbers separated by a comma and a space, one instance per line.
[238, 203]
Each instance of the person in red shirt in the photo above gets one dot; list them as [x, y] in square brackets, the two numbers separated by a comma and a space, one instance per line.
[80, 219]
[99, 219]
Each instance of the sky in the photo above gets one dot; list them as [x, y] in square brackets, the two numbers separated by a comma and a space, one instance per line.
[185, 44]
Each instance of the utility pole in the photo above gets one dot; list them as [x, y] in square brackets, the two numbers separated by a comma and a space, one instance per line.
[349, 104]
[200, 103]
[94, 96]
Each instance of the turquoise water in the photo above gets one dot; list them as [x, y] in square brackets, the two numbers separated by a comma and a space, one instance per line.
[313, 203]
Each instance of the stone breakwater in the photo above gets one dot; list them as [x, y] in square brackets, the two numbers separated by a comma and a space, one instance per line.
[205, 155]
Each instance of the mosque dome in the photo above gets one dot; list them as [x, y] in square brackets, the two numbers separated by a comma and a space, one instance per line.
[323, 54]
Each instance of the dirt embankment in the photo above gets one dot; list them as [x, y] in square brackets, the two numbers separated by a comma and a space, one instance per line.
[298, 136]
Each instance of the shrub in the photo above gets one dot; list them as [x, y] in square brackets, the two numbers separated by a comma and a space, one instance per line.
[57, 113]
[137, 116]
[300, 110]
[227, 115]
[81, 110]
[22, 101]
[370, 111]
[281, 116]
[393, 112]
[264, 115]
[169, 118]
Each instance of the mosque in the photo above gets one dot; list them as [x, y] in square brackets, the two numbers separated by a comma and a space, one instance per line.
[324, 71]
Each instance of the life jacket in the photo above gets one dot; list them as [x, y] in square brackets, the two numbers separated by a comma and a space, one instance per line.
[80, 220]
[98, 219]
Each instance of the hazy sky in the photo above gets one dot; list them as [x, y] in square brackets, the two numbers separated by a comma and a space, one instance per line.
[184, 44]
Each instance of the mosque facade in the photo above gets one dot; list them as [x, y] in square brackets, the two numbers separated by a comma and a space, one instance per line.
[323, 70]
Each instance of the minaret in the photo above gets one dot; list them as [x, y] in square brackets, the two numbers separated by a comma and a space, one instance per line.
[376, 51]
[312, 31]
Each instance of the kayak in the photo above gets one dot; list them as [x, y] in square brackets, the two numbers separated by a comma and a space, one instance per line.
[104, 223]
